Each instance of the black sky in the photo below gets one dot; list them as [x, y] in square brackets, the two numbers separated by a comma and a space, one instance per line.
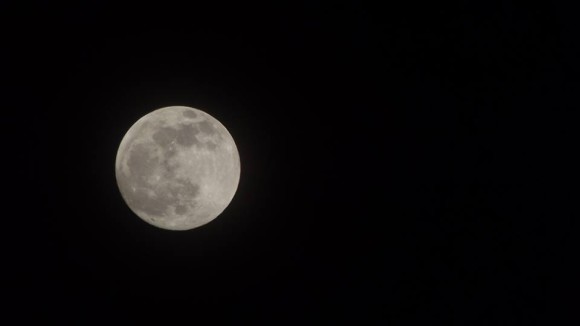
[402, 164]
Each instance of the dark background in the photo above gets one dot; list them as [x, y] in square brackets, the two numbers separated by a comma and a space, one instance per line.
[402, 164]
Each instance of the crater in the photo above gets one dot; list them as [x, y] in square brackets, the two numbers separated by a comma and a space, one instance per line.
[189, 114]
[186, 135]
[164, 136]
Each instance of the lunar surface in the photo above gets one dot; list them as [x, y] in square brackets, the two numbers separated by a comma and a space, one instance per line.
[177, 168]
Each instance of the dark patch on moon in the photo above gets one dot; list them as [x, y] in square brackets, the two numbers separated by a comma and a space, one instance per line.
[164, 136]
[169, 168]
[211, 145]
[206, 127]
[140, 163]
[184, 187]
[152, 205]
[190, 114]
[150, 198]
[164, 197]
[180, 209]
[186, 135]
[170, 152]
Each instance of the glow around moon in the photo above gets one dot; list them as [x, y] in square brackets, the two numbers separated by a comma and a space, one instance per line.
[177, 168]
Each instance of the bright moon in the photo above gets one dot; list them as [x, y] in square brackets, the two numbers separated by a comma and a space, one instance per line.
[177, 168]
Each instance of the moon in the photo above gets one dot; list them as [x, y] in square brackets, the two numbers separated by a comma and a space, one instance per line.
[177, 168]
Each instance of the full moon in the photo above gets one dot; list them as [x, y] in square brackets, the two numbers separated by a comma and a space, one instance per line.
[177, 168]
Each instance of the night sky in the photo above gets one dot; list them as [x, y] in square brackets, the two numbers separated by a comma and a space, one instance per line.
[402, 164]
